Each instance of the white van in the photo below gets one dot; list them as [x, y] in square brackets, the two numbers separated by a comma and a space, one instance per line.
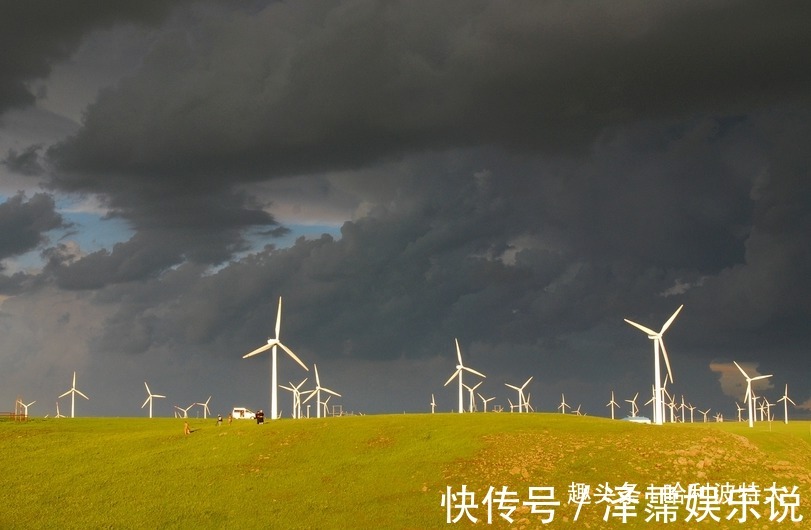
[241, 413]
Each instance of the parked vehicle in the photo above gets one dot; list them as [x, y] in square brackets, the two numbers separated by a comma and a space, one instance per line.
[241, 413]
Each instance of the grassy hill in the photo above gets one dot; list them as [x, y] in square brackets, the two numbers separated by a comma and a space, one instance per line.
[387, 471]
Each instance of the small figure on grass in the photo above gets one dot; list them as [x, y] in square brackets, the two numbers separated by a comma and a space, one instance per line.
[186, 429]
[260, 417]
[219, 420]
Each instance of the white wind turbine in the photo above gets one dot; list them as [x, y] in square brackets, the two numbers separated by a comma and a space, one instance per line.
[458, 373]
[785, 399]
[656, 337]
[185, 411]
[471, 403]
[634, 408]
[149, 397]
[485, 401]
[749, 395]
[206, 410]
[433, 404]
[317, 393]
[272, 343]
[523, 402]
[296, 390]
[73, 391]
[740, 410]
[563, 404]
[58, 415]
[704, 413]
[25, 407]
[612, 404]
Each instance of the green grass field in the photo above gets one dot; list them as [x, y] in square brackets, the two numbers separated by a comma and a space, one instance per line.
[376, 472]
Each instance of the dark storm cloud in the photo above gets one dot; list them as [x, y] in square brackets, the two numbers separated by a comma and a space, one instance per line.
[25, 162]
[298, 88]
[24, 223]
[36, 34]
[285, 89]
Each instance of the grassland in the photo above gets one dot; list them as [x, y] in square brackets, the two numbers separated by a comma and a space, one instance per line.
[374, 472]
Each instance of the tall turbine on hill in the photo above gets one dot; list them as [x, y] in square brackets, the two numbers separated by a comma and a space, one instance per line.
[612, 404]
[149, 397]
[749, 395]
[317, 394]
[73, 391]
[785, 399]
[272, 344]
[458, 373]
[656, 337]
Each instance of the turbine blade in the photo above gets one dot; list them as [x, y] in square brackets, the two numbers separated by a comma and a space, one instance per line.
[145, 402]
[760, 377]
[80, 393]
[328, 391]
[472, 371]
[513, 387]
[157, 396]
[458, 352]
[312, 393]
[667, 361]
[147, 388]
[279, 318]
[66, 393]
[294, 356]
[260, 349]
[526, 383]
[317, 380]
[640, 326]
[671, 319]
[741, 369]
[451, 377]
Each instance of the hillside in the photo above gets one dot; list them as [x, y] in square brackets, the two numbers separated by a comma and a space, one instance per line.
[391, 471]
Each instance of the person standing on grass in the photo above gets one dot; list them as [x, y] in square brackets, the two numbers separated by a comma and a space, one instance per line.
[186, 429]
[260, 417]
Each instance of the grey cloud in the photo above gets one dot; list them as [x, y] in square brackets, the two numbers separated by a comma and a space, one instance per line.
[24, 222]
[36, 34]
[293, 89]
[26, 162]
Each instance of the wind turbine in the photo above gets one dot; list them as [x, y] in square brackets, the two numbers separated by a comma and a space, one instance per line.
[656, 337]
[186, 410]
[563, 404]
[612, 404]
[206, 410]
[149, 396]
[317, 393]
[295, 389]
[58, 415]
[634, 408]
[740, 409]
[73, 391]
[25, 407]
[705, 412]
[458, 373]
[485, 401]
[272, 343]
[785, 399]
[433, 404]
[523, 402]
[471, 404]
[749, 396]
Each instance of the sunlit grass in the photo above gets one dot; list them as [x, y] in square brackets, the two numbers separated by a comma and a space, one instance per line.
[386, 471]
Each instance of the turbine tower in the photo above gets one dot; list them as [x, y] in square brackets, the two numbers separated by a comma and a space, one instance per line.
[749, 395]
[272, 344]
[73, 391]
[458, 373]
[149, 397]
[785, 399]
[656, 337]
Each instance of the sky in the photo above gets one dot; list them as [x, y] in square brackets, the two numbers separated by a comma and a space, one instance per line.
[520, 176]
